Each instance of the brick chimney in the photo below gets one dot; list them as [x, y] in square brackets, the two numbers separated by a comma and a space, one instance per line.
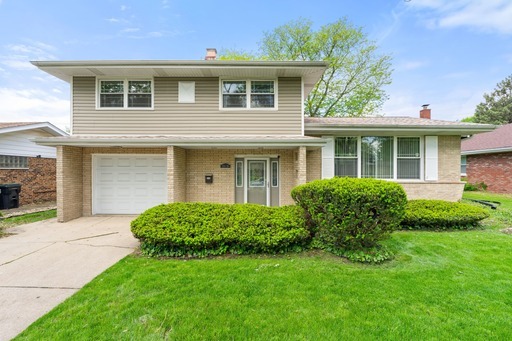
[211, 54]
[425, 112]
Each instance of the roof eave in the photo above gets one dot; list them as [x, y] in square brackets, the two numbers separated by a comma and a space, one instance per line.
[439, 130]
[487, 151]
[164, 142]
[46, 126]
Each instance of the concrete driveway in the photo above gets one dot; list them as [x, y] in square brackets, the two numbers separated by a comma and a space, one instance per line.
[46, 262]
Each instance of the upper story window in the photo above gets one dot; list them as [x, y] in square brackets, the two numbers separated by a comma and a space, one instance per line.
[248, 94]
[125, 93]
[381, 157]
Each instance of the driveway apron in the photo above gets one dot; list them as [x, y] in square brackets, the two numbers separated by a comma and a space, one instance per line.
[44, 263]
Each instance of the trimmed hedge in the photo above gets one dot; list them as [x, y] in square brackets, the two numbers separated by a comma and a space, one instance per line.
[202, 229]
[351, 214]
[441, 215]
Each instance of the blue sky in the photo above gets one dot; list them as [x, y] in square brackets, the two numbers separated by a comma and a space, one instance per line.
[445, 52]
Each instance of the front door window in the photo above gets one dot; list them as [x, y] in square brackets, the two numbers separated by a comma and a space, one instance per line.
[257, 174]
[257, 182]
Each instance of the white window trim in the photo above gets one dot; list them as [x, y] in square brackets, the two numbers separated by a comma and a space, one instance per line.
[248, 93]
[125, 93]
[395, 158]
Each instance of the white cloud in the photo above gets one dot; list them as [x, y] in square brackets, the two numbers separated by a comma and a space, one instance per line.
[457, 75]
[488, 15]
[18, 56]
[35, 105]
[130, 30]
[118, 21]
[124, 8]
[453, 105]
[165, 4]
[412, 65]
[16, 62]
[155, 34]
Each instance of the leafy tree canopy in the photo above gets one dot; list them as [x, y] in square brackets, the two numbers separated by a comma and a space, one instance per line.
[497, 106]
[352, 84]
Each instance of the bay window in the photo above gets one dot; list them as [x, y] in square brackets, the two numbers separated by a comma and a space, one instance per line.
[380, 157]
[248, 94]
[125, 93]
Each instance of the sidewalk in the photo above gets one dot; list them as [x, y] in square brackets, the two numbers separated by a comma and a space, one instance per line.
[43, 263]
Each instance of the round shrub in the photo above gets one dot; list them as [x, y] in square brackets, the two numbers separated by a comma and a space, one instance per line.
[201, 229]
[351, 214]
[441, 215]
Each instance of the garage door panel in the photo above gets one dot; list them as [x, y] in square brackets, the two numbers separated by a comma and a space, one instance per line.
[128, 184]
[106, 162]
[159, 163]
[158, 177]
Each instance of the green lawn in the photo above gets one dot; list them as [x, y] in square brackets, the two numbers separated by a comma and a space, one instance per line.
[442, 285]
[500, 218]
[25, 219]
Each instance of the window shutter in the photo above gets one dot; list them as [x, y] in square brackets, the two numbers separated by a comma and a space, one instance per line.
[431, 158]
[187, 92]
[328, 158]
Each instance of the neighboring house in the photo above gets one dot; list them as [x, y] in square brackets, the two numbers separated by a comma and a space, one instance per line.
[488, 159]
[147, 132]
[26, 163]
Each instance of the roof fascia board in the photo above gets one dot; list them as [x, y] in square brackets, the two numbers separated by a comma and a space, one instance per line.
[487, 151]
[179, 64]
[46, 126]
[456, 130]
[53, 142]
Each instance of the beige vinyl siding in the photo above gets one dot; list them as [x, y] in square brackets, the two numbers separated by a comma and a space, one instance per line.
[200, 118]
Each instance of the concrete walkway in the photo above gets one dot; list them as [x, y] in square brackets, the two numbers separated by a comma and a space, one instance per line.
[44, 263]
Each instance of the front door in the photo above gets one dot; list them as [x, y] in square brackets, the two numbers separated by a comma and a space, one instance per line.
[257, 182]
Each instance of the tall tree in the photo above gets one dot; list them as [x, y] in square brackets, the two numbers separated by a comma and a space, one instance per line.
[497, 106]
[353, 83]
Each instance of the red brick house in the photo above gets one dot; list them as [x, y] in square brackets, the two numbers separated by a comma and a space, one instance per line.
[489, 159]
[26, 163]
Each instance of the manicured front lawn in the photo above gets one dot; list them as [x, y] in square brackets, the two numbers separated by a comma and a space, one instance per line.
[500, 218]
[442, 285]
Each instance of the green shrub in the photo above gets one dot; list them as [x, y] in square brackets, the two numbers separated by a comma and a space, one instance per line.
[442, 215]
[202, 229]
[470, 187]
[481, 186]
[350, 216]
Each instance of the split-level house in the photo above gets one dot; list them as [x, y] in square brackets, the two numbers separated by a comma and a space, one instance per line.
[149, 132]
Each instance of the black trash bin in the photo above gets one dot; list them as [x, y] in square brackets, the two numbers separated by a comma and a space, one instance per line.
[9, 196]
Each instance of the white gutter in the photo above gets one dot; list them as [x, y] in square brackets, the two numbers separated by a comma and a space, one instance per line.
[487, 151]
[164, 142]
[446, 130]
[47, 126]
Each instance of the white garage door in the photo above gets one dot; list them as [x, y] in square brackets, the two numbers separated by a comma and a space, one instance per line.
[128, 184]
